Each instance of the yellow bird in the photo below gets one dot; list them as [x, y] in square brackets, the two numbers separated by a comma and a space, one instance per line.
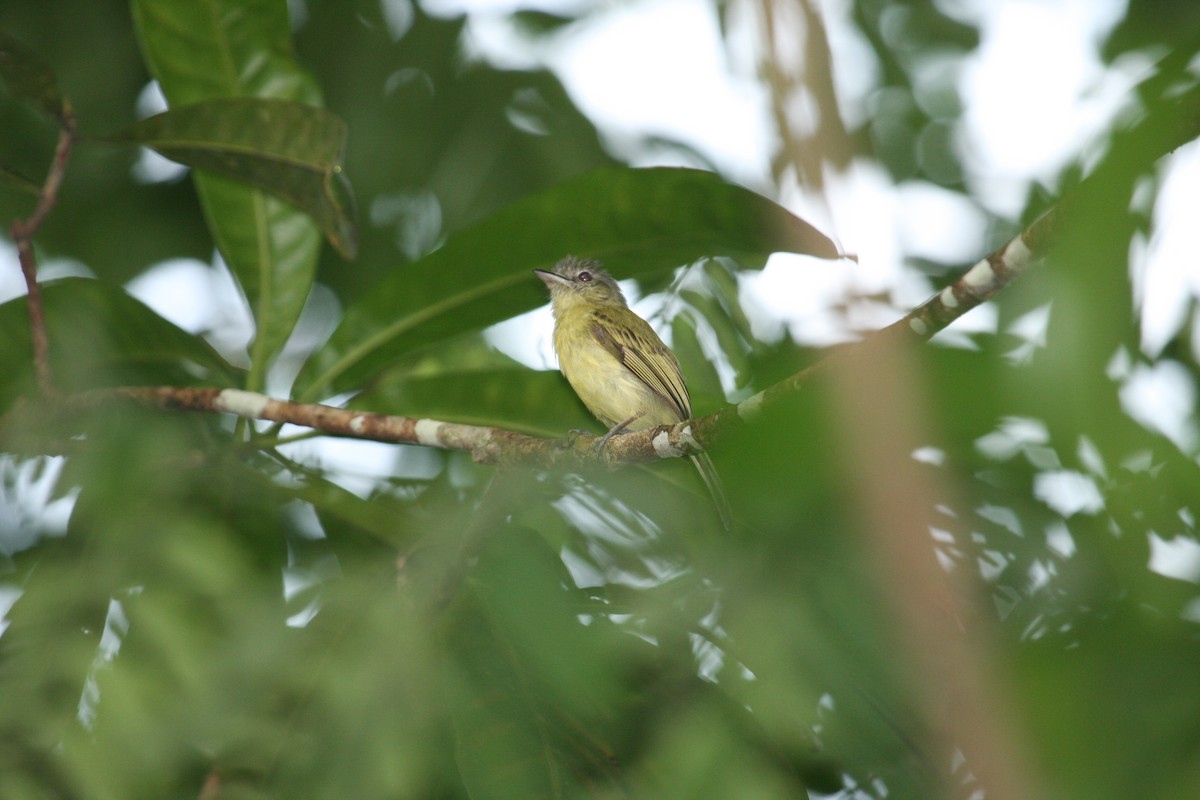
[615, 361]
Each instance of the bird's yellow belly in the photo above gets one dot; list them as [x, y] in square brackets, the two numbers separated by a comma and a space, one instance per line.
[608, 388]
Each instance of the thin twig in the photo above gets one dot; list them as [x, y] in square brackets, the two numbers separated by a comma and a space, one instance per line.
[22, 232]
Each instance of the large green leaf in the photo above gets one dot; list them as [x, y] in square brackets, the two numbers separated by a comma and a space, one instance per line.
[101, 336]
[205, 49]
[636, 220]
[292, 150]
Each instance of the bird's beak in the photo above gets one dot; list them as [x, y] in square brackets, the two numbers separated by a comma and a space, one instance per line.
[550, 278]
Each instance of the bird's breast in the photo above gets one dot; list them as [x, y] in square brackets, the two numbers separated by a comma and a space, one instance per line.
[604, 384]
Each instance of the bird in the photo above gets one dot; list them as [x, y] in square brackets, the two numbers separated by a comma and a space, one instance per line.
[617, 365]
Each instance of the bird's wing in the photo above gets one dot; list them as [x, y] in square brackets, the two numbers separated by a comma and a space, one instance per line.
[635, 344]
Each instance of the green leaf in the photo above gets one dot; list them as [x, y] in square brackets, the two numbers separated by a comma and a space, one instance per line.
[272, 249]
[292, 150]
[211, 49]
[202, 49]
[49, 645]
[28, 77]
[636, 220]
[100, 336]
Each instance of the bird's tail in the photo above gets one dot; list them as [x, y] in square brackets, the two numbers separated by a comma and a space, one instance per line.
[712, 480]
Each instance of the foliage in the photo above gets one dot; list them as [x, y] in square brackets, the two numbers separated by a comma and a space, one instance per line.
[201, 608]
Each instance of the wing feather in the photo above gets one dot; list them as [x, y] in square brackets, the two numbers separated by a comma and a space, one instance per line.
[635, 344]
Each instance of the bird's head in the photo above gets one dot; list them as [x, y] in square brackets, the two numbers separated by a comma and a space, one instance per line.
[580, 281]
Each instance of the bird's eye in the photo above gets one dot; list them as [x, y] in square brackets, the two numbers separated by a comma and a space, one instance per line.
[585, 277]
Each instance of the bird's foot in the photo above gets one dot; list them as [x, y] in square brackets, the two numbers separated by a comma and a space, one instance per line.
[613, 431]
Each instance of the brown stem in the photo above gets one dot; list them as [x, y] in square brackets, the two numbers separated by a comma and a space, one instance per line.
[22, 232]
[37, 315]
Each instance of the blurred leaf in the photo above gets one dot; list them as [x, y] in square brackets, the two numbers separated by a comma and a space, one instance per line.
[919, 47]
[292, 150]
[372, 524]
[358, 700]
[188, 542]
[634, 220]
[230, 48]
[29, 77]
[1087, 684]
[100, 336]
[49, 643]
[538, 684]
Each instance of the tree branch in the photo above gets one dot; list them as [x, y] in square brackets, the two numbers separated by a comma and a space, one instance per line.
[1177, 124]
[490, 445]
[501, 446]
[486, 445]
